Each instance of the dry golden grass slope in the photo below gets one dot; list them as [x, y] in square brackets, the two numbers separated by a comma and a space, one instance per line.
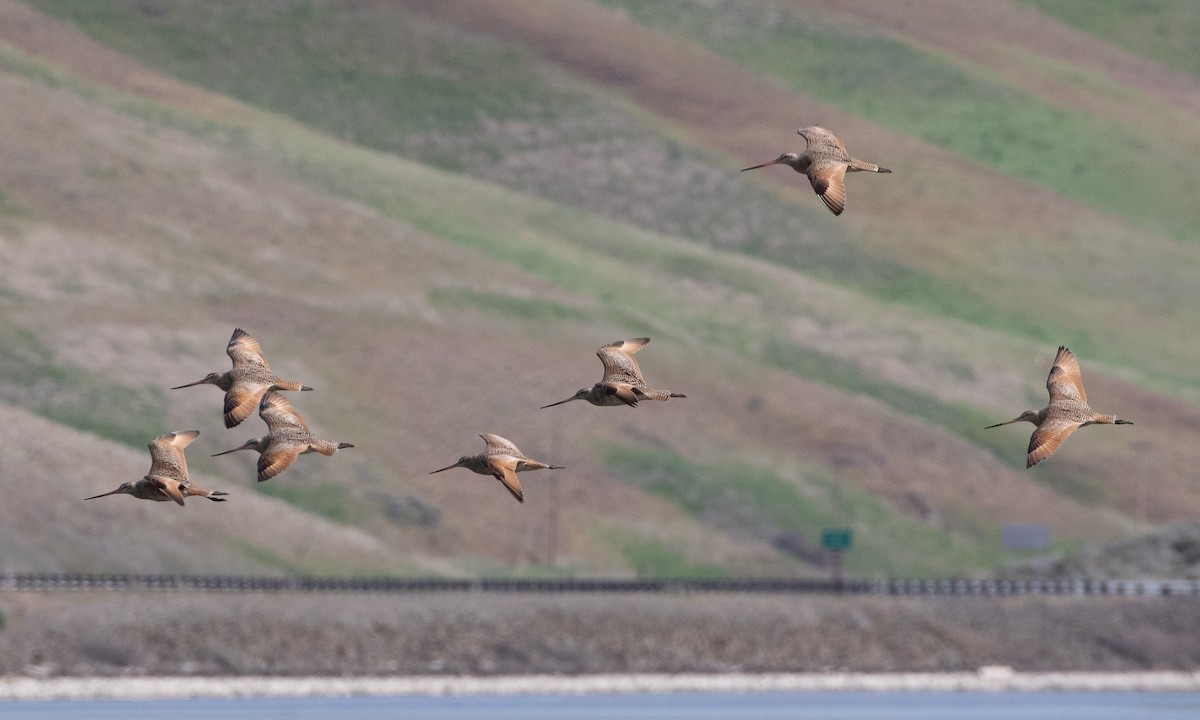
[142, 219]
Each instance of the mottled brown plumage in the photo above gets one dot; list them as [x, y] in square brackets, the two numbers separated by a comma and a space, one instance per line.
[168, 476]
[287, 438]
[250, 377]
[622, 383]
[826, 163]
[502, 460]
[1067, 412]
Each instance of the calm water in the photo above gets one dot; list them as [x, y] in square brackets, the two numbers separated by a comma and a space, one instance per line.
[681, 706]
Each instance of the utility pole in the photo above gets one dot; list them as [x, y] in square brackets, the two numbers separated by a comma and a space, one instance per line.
[1139, 498]
[836, 541]
[552, 523]
[552, 507]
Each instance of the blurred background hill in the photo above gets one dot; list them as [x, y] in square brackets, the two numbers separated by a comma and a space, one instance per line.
[434, 212]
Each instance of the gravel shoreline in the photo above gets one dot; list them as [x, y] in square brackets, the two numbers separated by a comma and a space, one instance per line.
[442, 641]
[986, 679]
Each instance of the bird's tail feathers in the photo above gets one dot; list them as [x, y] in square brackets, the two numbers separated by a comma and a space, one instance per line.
[866, 167]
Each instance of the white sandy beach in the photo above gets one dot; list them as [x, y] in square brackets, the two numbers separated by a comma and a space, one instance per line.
[994, 678]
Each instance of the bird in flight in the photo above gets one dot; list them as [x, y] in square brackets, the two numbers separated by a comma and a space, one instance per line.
[826, 163]
[1067, 412]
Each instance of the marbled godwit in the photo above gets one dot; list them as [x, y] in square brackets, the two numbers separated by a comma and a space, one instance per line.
[622, 383]
[287, 438]
[250, 377]
[502, 460]
[1068, 410]
[826, 163]
[168, 476]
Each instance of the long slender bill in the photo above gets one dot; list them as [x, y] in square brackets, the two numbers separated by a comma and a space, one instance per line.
[226, 452]
[191, 384]
[114, 492]
[766, 164]
[560, 402]
[1006, 422]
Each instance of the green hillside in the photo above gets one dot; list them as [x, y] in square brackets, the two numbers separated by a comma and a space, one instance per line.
[1163, 30]
[434, 213]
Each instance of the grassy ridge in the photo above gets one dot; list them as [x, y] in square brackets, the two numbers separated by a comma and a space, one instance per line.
[570, 268]
[757, 501]
[529, 120]
[964, 109]
[961, 419]
[1164, 30]
[589, 256]
[495, 83]
[373, 77]
[35, 381]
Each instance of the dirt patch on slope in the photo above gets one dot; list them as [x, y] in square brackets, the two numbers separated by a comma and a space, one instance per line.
[997, 34]
[64, 45]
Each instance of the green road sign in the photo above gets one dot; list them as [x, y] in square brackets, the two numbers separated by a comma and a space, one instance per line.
[836, 538]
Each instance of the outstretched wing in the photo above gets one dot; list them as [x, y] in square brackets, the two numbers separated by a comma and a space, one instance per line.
[828, 178]
[619, 365]
[504, 469]
[278, 413]
[166, 454]
[1047, 438]
[1065, 379]
[624, 392]
[169, 487]
[284, 446]
[276, 458]
[244, 349]
[822, 141]
[241, 400]
[495, 443]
